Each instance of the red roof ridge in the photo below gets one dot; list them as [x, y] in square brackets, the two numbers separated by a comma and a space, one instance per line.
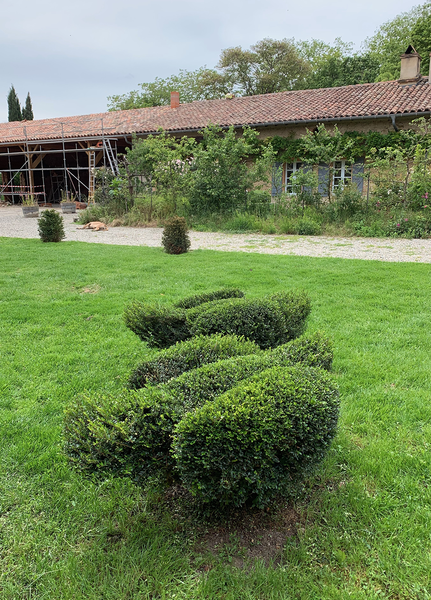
[351, 101]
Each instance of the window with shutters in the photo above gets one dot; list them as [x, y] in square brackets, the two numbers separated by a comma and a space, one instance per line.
[342, 173]
[289, 170]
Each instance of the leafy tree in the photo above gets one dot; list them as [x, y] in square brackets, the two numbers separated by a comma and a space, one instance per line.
[27, 110]
[222, 174]
[393, 37]
[269, 66]
[14, 108]
[421, 37]
[202, 84]
[349, 70]
[317, 52]
[159, 164]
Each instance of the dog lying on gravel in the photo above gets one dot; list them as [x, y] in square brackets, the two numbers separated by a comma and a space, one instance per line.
[95, 226]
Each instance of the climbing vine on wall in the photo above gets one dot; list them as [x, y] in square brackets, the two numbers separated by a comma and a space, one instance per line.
[356, 144]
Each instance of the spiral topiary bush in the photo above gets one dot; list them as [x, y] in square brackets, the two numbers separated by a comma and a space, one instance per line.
[130, 433]
[259, 439]
[187, 355]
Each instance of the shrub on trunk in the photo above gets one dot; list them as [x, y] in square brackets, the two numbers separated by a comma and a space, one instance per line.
[175, 239]
[51, 228]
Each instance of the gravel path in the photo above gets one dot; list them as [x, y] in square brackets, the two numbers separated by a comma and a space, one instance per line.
[13, 224]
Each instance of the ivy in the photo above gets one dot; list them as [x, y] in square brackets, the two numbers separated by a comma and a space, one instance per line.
[356, 144]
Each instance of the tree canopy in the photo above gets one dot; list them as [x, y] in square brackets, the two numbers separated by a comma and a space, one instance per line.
[27, 109]
[201, 84]
[393, 37]
[13, 105]
[15, 112]
[277, 65]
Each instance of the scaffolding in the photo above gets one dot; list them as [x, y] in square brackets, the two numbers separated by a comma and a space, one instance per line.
[72, 175]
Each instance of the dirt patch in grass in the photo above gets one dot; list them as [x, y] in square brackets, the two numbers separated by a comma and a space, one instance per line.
[91, 289]
[238, 536]
[252, 535]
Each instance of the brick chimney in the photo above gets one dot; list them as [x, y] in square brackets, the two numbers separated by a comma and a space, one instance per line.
[410, 66]
[175, 99]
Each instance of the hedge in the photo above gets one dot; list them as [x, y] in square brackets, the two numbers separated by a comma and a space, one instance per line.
[270, 321]
[158, 325]
[257, 319]
[259, 439]
[188, 355]
[197, 300]
[193, 388]
[126, 434]
[314, 350]
[130, 434]
[295, 306]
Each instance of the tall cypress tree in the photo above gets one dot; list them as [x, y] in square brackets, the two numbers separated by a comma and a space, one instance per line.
[14, 108]
[27, 110]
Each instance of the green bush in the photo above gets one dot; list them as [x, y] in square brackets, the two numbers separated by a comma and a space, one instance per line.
[199, 299]
[175, 239]
[51, 227]
[269, 321]
[188, 355]
[259, 439]
[295, 306]
[95, 212]
[130, 433]
[126, 434]
[314, 350]
[257, 319]
[193, 388]
[306, 226]
[158, 325]
[242, 222]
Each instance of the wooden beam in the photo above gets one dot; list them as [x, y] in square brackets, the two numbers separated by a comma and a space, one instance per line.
[38, 159]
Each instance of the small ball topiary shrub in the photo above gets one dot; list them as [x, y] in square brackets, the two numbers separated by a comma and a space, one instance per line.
[199, 299]
[175, 239]
[51, 226]
[269, 322]
[188, 355]
[259, 439]
[158, 325]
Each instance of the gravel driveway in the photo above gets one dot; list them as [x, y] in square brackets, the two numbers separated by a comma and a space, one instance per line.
[13, 224]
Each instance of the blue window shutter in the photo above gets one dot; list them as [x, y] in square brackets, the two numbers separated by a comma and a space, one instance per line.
[357, 173]
[323, 179]
[307, 169]
[277, 179]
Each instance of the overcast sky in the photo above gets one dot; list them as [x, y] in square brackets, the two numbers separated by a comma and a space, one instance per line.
[71, 55]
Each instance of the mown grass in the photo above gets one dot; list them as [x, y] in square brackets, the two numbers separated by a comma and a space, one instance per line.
[365, 522]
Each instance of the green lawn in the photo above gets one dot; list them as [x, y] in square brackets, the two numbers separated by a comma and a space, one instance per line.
[364, 526]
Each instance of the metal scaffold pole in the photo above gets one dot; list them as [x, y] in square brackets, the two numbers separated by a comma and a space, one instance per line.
[64, 162]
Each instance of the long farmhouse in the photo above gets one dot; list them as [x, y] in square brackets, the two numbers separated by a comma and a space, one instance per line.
[42, 158]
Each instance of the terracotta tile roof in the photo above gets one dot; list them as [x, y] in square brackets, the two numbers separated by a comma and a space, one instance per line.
[367, 99]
